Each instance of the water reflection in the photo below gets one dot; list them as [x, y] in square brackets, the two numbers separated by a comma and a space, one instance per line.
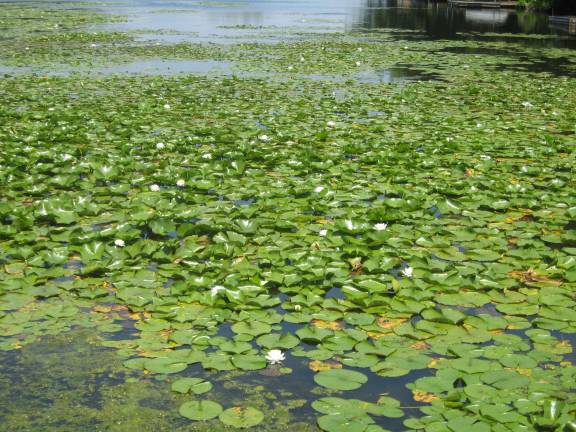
[212, 21]
[493, 17]
[441, 20]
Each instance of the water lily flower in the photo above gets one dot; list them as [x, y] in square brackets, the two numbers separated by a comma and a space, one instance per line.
[290, 67]
[275, 356]
[302, 59]
[206, 156]
[380, 226]
[67, 157]
[264, 138]
[359, 49]
[154, 188]
[167, 106]
[527, 105]
[349, 224]
[331, 124]
[318, 189]
[93, 45]
[297, 308]
[119, 243]
[160, 146]
[358, 63]
[322, 233]
[408, 272]
[478, 125]
[216, 289]
[180, 183]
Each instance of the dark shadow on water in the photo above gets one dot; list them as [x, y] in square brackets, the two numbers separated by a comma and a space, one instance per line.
[440, 21]
[558, 66]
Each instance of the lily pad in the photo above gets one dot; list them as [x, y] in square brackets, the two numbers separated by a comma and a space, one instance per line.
[200, 410]
[340, 379]
[241, 417]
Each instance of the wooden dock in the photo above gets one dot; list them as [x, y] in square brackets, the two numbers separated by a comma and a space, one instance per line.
[486, 4]
[565, 23]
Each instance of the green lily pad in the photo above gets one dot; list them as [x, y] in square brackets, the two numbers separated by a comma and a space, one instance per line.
[340, 379]
[192, 385]
[253, 328]
[200, 410]
[241, 417]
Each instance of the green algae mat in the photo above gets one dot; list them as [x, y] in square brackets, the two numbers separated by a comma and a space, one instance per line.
[350, 232]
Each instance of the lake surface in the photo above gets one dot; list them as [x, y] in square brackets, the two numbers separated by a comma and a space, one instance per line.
[224, 20]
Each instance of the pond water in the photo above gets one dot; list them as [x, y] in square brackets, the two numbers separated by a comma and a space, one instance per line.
[234, 20]
[380, 189]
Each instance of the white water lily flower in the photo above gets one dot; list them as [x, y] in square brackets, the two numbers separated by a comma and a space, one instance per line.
[318, 189]
[180, 183]
[478, 125]
[358, 63]
[290, 67]
[527, 105]
[408, 272]
[302, 59]
[206, 156]
[160, 146]
[93, 45]
[360, 49]
[380, 226]
[167, 106]
[67, 157]
[216, 289]
[119, 243]
[331, 124]
[297, 308]
[322, 233]
[275, 356]
[349, 224]
[264, 138]
[154, 188]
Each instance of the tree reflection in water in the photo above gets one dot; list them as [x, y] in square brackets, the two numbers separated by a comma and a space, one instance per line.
[439, 20]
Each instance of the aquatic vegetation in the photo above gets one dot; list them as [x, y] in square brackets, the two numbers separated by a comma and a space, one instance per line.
[291, 253]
